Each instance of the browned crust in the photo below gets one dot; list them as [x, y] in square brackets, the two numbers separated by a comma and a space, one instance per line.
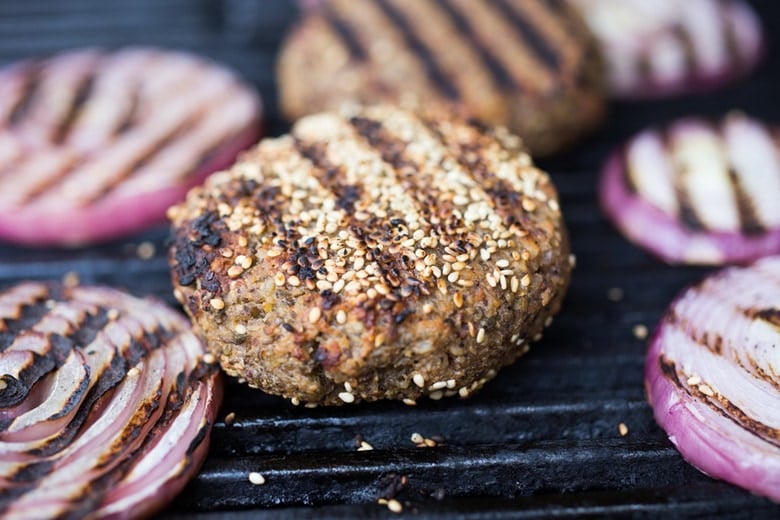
[370, 251]
[537, 71]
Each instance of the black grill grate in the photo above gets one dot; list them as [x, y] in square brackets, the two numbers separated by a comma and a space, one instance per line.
[541, 440]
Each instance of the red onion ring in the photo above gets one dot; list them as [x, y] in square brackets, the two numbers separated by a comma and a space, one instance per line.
[121, 421]
[666, 235]
[122, 137]
[649, 47]
[713, 376]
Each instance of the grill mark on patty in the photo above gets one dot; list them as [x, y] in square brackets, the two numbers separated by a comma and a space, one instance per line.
[392, 151]
[719, 404]
[436, 74]
[504, 200]
[530, 33]
[330, 176]
[499, 73]
[345, 32]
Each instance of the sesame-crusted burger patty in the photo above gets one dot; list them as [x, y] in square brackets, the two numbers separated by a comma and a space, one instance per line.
[530, 65]
[376, 254]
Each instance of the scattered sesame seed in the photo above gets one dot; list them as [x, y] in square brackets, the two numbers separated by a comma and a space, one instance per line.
[379, 340]
[341, 316]
[525, 281]
[294, 281]
[217, 304]
[347, 397]
[314, 314]
[145, 250]
[622, 429]
[273, 252]
[71, 279]
[240, 329]
[347, 386]
[279, 279]
[481, 335]
[453, 277]
[450, 383]
[463, 392]
[338, 286]
[133, 372]
[235, 271]
[438, 385]
[364, 446]
[256, 478]
[640, 331]
[427, 308]
[438, 394]
[230, 419]
[503, 263]
[295, 401]
[514, 284]
[410, 402]
[394, 506]
[417, 438]
[615, 294]
[209, 358]
[242, 241]
[429, 443]
[310, 405]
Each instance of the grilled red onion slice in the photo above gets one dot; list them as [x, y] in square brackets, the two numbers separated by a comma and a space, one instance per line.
[97, 144]
[668, 47]
[698, 192]
[116, 421]
[713, 376]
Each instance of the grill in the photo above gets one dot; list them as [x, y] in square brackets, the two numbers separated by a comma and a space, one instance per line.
[541, 440]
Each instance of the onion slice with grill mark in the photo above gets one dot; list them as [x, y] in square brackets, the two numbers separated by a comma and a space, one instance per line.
[118, 421]
[698, 191]
[713, 376]
[96, 144]
[666, 47]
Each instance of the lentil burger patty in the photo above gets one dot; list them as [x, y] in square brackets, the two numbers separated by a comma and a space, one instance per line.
[531, 65]
[372, 255]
